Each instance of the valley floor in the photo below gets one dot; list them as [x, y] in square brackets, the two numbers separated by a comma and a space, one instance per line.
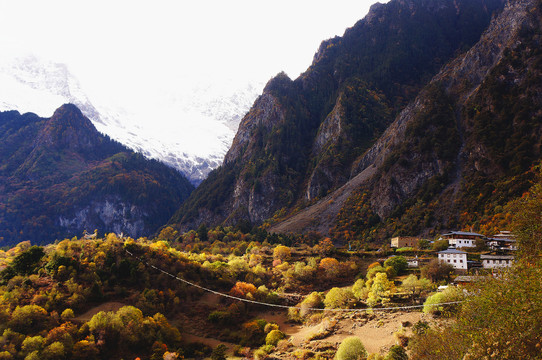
[376, 330]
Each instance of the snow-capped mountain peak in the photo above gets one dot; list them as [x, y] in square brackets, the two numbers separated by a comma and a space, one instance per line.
[190, 130]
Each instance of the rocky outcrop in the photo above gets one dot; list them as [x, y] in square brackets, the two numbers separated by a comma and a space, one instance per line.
[262, 117]
[112, 214]
[330, 133]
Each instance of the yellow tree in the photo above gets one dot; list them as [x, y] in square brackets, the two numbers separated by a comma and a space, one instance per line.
[282, 253]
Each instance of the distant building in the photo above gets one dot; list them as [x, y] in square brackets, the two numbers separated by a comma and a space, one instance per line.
[461, 238]
[413, 262]
[404, 241]
[496, 261]
[465, 280]
[503, 241]
[454, 257]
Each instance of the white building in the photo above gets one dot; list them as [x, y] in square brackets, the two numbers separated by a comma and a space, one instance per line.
[496, 261]
[461, 238]
[454, 257]
[503, 241]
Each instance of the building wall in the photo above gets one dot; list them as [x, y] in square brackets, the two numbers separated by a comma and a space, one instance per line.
[496, 263]
[461, 242]
[404, 241]
[458, 261]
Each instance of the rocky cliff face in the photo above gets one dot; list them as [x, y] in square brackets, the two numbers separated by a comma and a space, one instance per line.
[303, 138]
[59, 177]
[262, 117]
[111, 213]
[460, 83]
[460, 150]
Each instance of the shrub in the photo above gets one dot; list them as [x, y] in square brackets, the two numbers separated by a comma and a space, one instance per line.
[220, 317]
[28, 318]
[451, 294]
[398, 263]
[371, 273]
[262, 352]
[67, 314]
[351, 348]
[219, 353]
[396, 353]
[437, 270]
[282, 252]
[420, 327]
[32, 343]
[274, 337]
[440, 245]
[338, 298]
[405, 249]
[313, 301]
[243, 290]
[359, 289]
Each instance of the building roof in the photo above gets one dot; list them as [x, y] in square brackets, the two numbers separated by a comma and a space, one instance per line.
[504, 234]
[469, 278]
[462, 233]
[451, 251]
[497, 257]
[502, 240]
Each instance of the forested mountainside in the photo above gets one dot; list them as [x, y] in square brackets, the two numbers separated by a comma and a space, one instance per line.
[59, 176]
[302, 139]
[463, 149]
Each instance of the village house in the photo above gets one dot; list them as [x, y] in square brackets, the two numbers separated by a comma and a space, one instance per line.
[503, 241]
[468, 279]
[496, 261]
[413, 262]
[454, 257]
[461, 238]
[404, 241]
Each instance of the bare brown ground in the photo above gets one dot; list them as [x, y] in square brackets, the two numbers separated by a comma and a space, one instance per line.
[321, 216]
[108, 306]
[376, 331]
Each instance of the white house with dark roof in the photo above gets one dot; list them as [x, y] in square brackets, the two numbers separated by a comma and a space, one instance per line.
[462, 238]
[503, 241]
[454, 257]
[496, 261]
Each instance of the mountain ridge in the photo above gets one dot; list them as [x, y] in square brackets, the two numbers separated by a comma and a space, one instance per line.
[333, 112]
[60, 176]
[33, 84]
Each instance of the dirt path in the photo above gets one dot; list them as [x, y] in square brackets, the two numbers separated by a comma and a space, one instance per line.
[376, 333]
[213, 343]
[108, 306]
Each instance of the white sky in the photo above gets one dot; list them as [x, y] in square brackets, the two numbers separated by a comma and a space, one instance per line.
[127, 50]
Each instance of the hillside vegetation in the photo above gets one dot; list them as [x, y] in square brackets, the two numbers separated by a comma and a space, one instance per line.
[59, 177]
[54, 299]
[301, 139]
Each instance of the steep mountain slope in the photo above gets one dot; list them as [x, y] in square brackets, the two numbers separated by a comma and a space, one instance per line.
[213, 111]
[459, 152]
[59, 177]
[301, 138]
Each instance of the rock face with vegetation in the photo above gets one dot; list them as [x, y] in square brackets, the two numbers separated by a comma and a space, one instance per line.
[302, 138]
[467, 144]
[59, 177]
